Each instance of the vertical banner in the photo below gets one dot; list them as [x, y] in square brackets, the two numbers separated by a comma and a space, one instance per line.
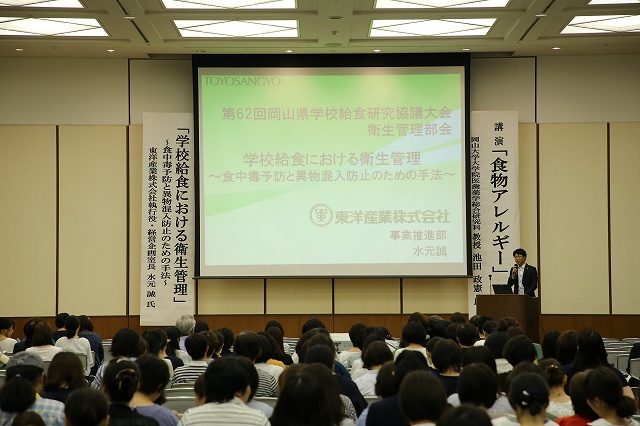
[495, 216]
[167, 289]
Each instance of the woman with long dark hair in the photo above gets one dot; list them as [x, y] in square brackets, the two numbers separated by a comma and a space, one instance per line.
[65, 374]
[71, 342]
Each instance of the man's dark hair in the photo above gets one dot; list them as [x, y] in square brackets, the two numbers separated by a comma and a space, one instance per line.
[126, 342]
[229, 337]
[357, 334]
[467, 334]
[458, 318]
[201, 325]
[495, 342]
[520, 252]
[248, 345]
[414, 332]
[311, 324]
[225, 377]
[85, 323]
[506, 322]
[60, 319]
[196, 346]
[519, 349]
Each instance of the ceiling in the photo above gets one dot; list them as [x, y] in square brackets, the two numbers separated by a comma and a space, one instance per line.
[324, 26]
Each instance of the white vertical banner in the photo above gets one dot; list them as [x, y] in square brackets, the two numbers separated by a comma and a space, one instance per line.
[495, 215]
[167, 289]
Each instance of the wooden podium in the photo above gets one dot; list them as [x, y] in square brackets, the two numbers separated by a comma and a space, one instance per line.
[525, 309]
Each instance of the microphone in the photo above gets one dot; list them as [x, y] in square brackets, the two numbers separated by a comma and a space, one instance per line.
[514, 271]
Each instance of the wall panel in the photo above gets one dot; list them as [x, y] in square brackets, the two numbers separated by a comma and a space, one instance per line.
[28, 218]
[528, 187]
[574, 218]
[93, 220]
[299, 296]
[625, 205]
[230, 296]
[367, 296]
[435, 295]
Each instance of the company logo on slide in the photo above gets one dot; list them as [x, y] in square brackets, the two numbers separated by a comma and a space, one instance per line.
[216, 80]
[321, 215]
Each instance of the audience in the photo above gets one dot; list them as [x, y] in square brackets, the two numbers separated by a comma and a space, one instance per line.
[559, 402]
[357, 336]
[229, 338]
[157, 344]
[584, 414]
[43, 342]
[6, 331]
[550, 344]
[249, 345]
[447, 360]
[61, 330]
[185, 325]
[65, 374]
[126, 343]
[71, 342]
[465, 415]
[567, 347]
[414, 338]
[95, 341]
[374, 357]
[606, 398]
[28, 330]
[422, 398]
[529, 397]
[197, 347]
[147, 400]
[87, 407]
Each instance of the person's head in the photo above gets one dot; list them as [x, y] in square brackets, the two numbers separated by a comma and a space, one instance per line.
[274, 323]
[30, 326]
[28, 418]
[591, 350]
[553, 373]
[519, 349]
[248, 345]
[452, 332]
[185, 324]
[567, 347]
[72, 325]
[376, 355]
[373, 337]
[278, 338]
[120, 380]
[467, 334]
[385, 386]
[523, 367]
[465, 415]
[422, 319]
[319, 339]
[528, 394]
[156, 339]
[226, 378]
[197, 346]
[422, 397]
[549, 343]
[604, 393]
[173, 344]
[154, 376]
[60, 319]
[200, 389]
[201, 325]
[414, 333]
[308, 336]
[86, 407]
[254, 378]
[320, 354]
[446, 356]
[42, 334]
[457, 318]
[309, 396]
[479, 354]
[495, 342]
[407, 362]
[506, 322]
[578, 397]
[520, 256]
[65, 371]
[478, 385]
[229, 337]
[357, 334]
[6, 326]
[126, 343]
[267, 347]
[489, 327]
[24, 378]
[311, 324]
[85, 323]
[215, 345]
[439, 327]
[515, 331]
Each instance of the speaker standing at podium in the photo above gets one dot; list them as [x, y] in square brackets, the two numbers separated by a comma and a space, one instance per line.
[523, 277]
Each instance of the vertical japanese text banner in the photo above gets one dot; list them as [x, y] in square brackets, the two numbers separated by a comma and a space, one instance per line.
[167, 289]
[495, 216]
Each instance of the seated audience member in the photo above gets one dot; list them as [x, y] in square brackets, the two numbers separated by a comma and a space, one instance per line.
[567, 347]
[439, 327]
[447, 359]
[71, 342]
[253, 384]
[357, 365]
[505, 323]
[95, 341]
[309, 396]
[452, 331]
[125, 344]
[215, 345]
[28, 418]
[301, 346]
[519, 349]
[197, 348]
[121, 378]
[605, 397]
[559, 402]
[147, 400]
[515, 331]
[376, 354]
[227, 384]
[279, 352]
[200, 326]
[311, 324]
[458, 318]
[24, 379]
[185, 325]
[87, 407]
[43, 342]
[356, 335]
[482, 333]
[422, 319]
[28, 330]
[387, 411]
[229, 338]
[173, 347]
[495, 342]
[549, 344]
[275, 323]
[422, 398]
[6, 331]
[633, 354]
[319, 351]
[414, 338]
[248, 345]
[384, 388]
[429, 349]
[466, 336]
[265, 360]
[465, 415]
[61, 330]
[529, 397]
[157, 343]
[200, 391]
[584, 414]
[478, 386]
[65, 374]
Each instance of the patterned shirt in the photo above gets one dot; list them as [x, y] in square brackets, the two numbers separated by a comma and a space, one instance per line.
[229, 413]
[51, 411]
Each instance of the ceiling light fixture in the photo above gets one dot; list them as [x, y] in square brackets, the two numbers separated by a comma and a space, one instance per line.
[541, 15]
[129, 17]
[377, 50]
[288, 51]
[556, 48]
[335, 18]
[111, 50]
[466, 49]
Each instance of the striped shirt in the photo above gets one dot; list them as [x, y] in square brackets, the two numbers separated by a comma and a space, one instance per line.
[267, 384]
[189, 373]
[229, 413]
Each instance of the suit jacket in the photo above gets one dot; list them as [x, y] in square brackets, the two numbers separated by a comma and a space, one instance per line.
[529, 280]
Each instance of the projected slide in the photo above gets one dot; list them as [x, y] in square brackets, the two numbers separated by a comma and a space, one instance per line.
[332, 172]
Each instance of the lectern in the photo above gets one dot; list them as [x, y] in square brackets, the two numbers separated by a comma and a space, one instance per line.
[525, 309]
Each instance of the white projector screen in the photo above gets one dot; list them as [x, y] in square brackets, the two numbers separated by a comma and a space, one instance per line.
[332, 171]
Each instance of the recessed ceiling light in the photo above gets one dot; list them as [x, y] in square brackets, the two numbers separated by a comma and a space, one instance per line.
[199, 51]
[111, 50]
[466, 49]
[334, 18]
[19, 49]
[377, 50]
[541, 15]
[129, 17]
[556, 48]
[288, 51]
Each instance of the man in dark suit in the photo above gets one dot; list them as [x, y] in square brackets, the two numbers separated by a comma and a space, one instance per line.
[523, 277]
